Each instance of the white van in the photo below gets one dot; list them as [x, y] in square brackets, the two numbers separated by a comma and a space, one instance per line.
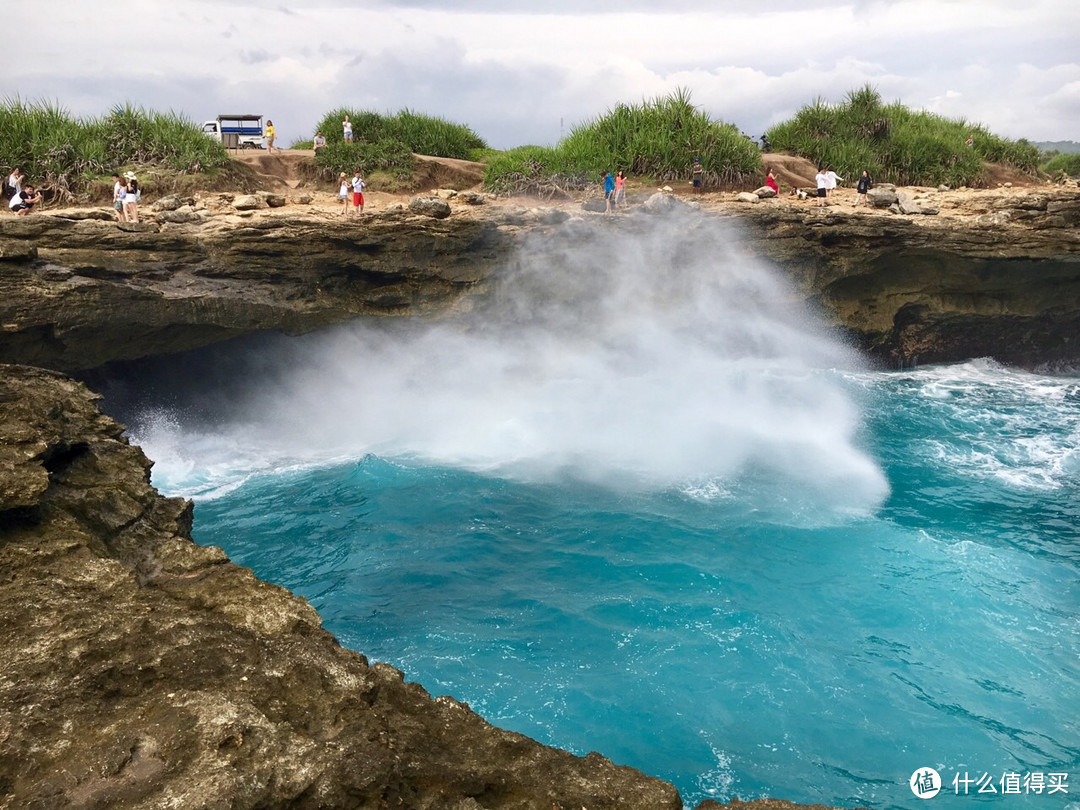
[237, 131]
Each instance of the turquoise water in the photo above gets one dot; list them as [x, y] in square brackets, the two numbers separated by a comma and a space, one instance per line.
[674, 523]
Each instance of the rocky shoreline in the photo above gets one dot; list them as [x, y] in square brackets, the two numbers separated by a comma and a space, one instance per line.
[142, 670]
[992, 274]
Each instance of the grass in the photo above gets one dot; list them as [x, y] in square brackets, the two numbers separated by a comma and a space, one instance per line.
[658, 139]
[1063, 164]
[65, 155]
[897, 144]
[385, 143]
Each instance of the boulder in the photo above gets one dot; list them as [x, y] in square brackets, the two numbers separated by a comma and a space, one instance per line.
[430, 207]
[748, 197]
[273, 200]
[183, 215]
[444, 193]
[170, 202]
[248, 202]
[882, 196]
[472, 198]
[660, 203]
[765, 193]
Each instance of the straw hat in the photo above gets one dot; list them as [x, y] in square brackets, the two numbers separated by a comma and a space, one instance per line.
[129, 175]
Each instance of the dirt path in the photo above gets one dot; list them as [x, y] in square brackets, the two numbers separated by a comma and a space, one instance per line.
[277, 171]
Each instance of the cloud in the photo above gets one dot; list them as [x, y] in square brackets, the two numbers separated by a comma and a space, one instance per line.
[527, 75]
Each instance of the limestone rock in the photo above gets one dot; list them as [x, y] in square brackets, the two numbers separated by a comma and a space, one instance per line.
[183, 215]
[748, 197]
[272, 200]
[430, 207]
[881, 196]
[248, 202]
[170, 202]
[142, 670]
[765, 192]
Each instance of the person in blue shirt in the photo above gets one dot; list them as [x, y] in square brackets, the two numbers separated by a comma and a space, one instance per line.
[609, 189]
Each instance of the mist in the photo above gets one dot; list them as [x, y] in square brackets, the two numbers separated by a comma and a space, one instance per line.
[649, 352]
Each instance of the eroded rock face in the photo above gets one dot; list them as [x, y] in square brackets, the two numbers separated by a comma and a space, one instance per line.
[77, 294]
[1003, 282]
[142, 670]
[994, 275]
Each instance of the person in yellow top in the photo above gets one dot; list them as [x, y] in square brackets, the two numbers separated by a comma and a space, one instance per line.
[268, 133]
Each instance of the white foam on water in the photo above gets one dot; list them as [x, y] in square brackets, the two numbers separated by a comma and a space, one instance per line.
[648, 356]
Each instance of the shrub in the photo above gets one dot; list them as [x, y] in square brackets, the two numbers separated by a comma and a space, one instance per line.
[1063, 164]
[659, 139]
[896, 144]
[386, 155]
[424, 134]
[65, 155]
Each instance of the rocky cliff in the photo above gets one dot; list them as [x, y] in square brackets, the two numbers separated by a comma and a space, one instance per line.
[991, 274]
[142, 670]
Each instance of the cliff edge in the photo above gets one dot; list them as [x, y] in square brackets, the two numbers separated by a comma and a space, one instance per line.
[989, 274]
[143, 670]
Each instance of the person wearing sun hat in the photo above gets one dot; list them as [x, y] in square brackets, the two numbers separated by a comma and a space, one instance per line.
[343, 193]
[131, 198]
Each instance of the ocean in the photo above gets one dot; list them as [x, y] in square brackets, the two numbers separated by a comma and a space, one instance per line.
[634, 497]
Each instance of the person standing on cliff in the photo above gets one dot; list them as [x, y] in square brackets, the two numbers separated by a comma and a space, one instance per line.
[13, 183]
[697, 174]
[609, 190]
[822, 180]
[833, 179]
[343, 194]
[131, 198]
[346, 130]
[864, 185]
[119, 191]
[620, 189]
[358, 193]
[270, 136]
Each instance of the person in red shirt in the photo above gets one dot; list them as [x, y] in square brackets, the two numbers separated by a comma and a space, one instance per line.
[770, 181]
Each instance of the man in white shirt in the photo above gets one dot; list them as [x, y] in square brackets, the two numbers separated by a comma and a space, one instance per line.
[358, 192]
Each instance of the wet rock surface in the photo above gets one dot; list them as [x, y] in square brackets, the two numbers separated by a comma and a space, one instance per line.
[143, 670]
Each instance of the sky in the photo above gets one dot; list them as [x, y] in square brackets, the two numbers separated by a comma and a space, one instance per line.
[528, 72]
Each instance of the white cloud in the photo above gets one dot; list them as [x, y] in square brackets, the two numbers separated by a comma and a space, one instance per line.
[514, 73]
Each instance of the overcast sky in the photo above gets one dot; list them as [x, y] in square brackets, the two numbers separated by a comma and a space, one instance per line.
[527, 72]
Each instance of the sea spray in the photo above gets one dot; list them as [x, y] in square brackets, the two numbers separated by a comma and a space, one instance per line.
[649, 353]
[707, 633]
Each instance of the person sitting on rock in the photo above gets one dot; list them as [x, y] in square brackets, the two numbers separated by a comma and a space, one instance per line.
[770, 181]
[23, 202]
[319, 142]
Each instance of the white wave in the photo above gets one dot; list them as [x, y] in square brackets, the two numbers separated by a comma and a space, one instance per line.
[647, 357]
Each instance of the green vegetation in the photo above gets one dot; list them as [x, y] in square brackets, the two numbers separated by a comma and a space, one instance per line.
[896, 144]
[65, 155]
[1058, 165]
[385, 143]
[658, 139]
